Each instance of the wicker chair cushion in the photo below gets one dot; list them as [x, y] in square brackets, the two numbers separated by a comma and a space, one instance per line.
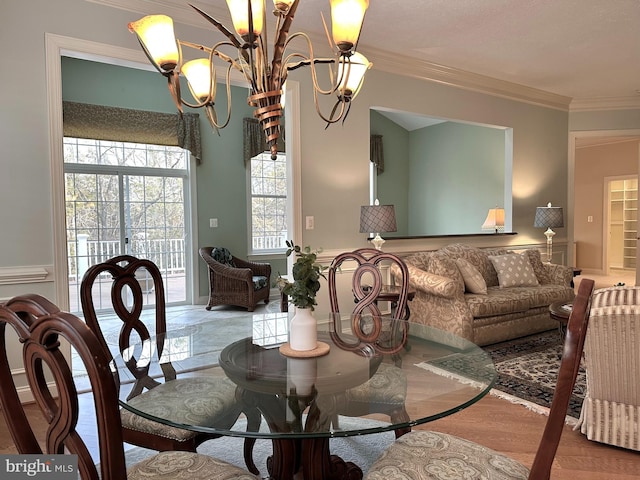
[425, 455]
[259, 282]
[222, 255]
[388, 385]
[200, 401]
[186, 466]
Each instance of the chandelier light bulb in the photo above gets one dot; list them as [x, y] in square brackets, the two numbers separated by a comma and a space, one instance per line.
[198, 73]
[239, 10]
[346, 21]
[351, 71]
[155, 33]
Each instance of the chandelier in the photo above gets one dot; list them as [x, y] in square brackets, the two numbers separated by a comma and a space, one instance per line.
[250, 56]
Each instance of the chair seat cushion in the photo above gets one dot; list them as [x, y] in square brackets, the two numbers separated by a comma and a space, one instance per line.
[388, 385]
[197, 401]
[259, 281]
[423, 454]
[186, 466]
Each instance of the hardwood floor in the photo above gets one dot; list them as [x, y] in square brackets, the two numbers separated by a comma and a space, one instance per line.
[496, 423]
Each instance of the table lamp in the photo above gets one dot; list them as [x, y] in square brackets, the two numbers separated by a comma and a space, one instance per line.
[494, 220]
[377, 218]
[549, 217]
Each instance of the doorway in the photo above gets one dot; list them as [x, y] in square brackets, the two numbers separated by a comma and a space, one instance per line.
[115, 206]
[622, 208]
[594, 156]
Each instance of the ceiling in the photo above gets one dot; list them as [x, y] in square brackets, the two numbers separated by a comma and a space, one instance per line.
[575, 48]
[585, 50]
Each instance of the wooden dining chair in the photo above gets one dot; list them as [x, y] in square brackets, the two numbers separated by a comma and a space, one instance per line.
[421, 454]
[205, 400]
[371, 332]
[39, 325]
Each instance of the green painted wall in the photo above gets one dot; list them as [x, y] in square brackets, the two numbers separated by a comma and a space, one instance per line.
[221, 186]
[442, 179]
[457, 175]
[393, 183]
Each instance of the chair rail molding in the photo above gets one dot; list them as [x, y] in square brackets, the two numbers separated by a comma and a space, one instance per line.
[19, 275]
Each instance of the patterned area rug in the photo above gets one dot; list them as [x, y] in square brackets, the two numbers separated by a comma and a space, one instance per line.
[527, 371]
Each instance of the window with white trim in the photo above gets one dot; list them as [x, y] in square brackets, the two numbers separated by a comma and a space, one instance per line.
[268, 203]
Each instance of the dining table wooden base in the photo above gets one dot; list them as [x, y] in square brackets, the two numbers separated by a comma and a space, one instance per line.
[315, 461]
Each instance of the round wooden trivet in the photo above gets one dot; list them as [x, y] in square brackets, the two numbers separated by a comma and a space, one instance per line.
[320, 350]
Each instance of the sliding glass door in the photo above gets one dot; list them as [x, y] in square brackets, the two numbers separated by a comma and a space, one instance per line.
[130, 205]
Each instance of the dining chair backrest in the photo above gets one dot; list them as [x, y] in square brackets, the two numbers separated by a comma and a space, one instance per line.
[367, 284]
[39, 324]
[129, 275]
[567, 374]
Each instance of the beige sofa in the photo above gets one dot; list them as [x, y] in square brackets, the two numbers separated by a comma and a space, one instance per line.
[504, 312]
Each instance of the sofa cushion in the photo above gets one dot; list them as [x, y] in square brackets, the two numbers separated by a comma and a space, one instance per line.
[500, 301]
[535, 259]
[473, 281]
[478, 257]
[442, 264]
[514, 270]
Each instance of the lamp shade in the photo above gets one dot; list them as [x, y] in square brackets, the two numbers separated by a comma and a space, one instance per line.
[494, 220]
[377, 218]
[549, 217]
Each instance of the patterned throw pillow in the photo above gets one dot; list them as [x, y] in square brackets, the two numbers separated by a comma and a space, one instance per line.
[473, 281]
[514, 270]
[536, 262]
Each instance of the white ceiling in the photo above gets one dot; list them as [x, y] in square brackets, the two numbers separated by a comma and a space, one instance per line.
[575, 48]
[585, 50]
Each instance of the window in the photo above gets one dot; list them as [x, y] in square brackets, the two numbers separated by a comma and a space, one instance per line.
[268, 180]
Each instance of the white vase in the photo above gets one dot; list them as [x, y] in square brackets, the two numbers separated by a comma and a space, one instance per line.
[303, 333]
[301, 374]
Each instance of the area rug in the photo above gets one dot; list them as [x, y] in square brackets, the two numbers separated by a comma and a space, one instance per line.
[527, 371]
[361, 450]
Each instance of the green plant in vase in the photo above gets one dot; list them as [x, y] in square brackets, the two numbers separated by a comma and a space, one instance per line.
[306, 276]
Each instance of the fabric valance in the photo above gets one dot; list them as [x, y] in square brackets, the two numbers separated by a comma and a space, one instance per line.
[377, 153]
[254, 141]
[99, 122]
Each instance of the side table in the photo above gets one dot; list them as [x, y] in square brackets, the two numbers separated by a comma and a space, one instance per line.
[560, 312]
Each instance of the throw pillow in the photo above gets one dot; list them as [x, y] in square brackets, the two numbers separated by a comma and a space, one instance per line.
[514, 270]
[539, 269]
[473, 281]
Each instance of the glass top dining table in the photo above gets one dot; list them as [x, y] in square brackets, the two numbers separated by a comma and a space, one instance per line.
[409, 377]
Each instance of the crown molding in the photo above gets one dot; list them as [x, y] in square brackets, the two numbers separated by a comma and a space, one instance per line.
[604, 103]
[424, 70]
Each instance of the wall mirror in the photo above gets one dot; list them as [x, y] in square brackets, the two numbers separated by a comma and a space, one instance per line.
[442, 175]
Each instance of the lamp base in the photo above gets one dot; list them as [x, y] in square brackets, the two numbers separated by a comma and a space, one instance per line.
[549, 234]
[378, 241]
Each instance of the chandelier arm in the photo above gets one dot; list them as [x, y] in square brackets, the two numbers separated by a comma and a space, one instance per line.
[331, 119]
[174, 88]
[234, 40]
[311, 62]
[282, 40]
[214, 51]
[210, 109]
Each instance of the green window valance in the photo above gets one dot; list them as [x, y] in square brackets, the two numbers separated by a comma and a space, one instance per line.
[99, 122]
[377, 153]
[254, 141]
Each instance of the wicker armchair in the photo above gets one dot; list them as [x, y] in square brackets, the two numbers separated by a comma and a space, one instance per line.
[611, 409]
[233, 281]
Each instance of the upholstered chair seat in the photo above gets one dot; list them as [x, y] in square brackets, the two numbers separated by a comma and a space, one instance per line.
[424, 454]
[197, 401]
[186, 466]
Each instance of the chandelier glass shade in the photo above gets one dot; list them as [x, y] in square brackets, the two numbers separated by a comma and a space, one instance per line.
[247, 51]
